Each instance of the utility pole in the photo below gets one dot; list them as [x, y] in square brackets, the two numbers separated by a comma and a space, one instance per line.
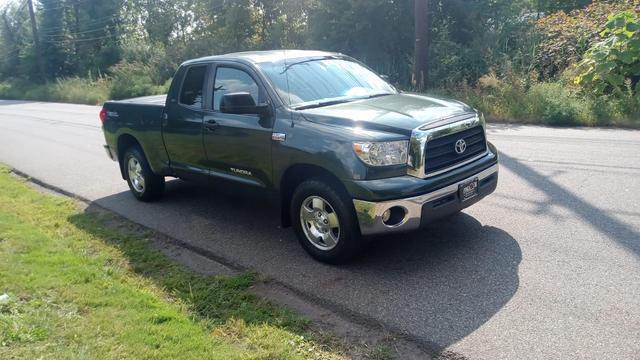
[419, 79]
[36, 40]
[76, 29]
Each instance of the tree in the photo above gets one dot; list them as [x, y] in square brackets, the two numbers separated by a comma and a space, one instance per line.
[374, 31]
[53, 37]
[10, 43]
[36, 40]
[99, 36]
[419, 78]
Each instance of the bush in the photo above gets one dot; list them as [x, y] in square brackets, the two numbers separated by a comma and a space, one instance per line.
[613, 64]
[81, 90]
[550, 103]
[556, 105]
[565, 37]
[133, 80]
[153, 55]
[128, 80]
[71, 90]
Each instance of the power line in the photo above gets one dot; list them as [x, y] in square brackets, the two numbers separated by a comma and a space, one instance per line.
[104, 19]
[69, 41]
[105, 28]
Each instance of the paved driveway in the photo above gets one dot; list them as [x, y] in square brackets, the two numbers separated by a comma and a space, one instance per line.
[546, 267]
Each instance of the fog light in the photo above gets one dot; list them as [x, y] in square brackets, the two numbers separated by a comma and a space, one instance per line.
[386, 215]
[394, 216]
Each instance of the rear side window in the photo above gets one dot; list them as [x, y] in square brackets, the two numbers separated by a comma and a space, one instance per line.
[191, 92]
[230, 80]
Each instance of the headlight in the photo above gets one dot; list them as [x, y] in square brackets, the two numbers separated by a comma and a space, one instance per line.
[382, 153]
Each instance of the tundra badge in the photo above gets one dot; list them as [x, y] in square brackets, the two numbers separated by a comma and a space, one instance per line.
[241, 171]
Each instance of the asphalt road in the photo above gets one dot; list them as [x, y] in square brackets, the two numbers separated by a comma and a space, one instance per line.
[546, 267]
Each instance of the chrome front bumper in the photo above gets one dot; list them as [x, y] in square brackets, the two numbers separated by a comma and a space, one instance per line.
[445, 201]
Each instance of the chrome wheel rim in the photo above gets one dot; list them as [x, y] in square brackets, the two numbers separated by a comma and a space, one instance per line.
[320, 223]
[135, 174]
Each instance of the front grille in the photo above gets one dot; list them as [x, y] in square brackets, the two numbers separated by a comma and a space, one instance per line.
[441, 153]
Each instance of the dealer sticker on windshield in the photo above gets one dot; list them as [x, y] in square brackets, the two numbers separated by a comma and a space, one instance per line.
[468, 190]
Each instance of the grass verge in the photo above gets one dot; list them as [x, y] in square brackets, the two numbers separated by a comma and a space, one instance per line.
[125, 83]
[75, 90]
[80, 288]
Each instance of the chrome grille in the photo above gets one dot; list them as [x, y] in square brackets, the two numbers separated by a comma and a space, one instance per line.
[440, 153]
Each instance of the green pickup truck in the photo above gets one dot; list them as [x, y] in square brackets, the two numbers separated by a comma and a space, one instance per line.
[343, 153]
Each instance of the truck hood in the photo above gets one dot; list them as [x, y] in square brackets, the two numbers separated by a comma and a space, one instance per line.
[398, 113]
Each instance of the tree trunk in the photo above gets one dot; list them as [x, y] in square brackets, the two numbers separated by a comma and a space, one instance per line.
[36, 40]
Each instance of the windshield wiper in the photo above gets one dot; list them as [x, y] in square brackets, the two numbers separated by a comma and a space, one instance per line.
[306, 61]
[338, 101]
[323, 103]
[378, 95]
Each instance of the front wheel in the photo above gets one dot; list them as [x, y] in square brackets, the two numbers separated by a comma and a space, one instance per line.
[143, 183]
[325, 222]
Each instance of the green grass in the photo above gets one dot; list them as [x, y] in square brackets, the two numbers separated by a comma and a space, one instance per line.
[81, 287]
[75, 90]
[78, 90]
[513, 100]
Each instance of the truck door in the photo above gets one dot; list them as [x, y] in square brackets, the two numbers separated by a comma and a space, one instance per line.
[182, 123]
[238, 147]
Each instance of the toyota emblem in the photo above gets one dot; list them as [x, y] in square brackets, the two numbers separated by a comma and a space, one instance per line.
[461, 146]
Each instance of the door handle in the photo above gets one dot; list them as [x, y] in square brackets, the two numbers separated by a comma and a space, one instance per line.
[211, 125]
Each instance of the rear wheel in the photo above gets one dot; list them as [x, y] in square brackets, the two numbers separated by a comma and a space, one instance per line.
[143, 183]
[325, 223]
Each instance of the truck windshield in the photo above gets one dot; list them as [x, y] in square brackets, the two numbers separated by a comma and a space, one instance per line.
[324, 81]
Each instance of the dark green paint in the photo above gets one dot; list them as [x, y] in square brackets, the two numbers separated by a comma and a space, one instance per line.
[178, 141]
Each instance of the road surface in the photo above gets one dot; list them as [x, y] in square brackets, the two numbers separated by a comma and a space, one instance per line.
[546, 267]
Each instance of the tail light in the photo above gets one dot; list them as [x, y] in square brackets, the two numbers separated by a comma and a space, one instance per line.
[103, 115]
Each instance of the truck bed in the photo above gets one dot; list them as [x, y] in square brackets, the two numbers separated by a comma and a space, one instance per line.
[142, 119]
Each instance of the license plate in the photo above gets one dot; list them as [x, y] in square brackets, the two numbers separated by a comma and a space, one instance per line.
[468, 190]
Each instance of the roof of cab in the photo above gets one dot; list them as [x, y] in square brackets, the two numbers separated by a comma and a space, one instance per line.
[257, 57]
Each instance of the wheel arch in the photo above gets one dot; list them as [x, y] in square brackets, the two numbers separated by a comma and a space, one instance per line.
[126, 141]
[294, 176]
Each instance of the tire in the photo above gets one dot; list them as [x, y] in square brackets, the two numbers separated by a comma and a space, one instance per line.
[311, 219]
[143, 183]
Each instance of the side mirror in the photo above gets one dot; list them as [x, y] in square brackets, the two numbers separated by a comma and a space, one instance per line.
[242, 103]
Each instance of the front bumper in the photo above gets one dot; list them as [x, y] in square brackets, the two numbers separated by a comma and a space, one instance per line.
[422, 209]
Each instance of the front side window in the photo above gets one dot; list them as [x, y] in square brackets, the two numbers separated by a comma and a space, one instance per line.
[230, 80]
[191, 92]
[316, 81]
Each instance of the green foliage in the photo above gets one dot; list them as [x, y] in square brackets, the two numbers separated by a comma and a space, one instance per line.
[72, 89]
[515, 98]
[467, 42]
[555, 105]
[139, 44]
[134, 79]
[80, 90]
[377, 32]
[613, 64]
[53, 38]
[501, 97]
[564, 37]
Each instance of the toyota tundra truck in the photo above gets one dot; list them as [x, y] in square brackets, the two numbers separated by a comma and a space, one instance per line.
[343, 153]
